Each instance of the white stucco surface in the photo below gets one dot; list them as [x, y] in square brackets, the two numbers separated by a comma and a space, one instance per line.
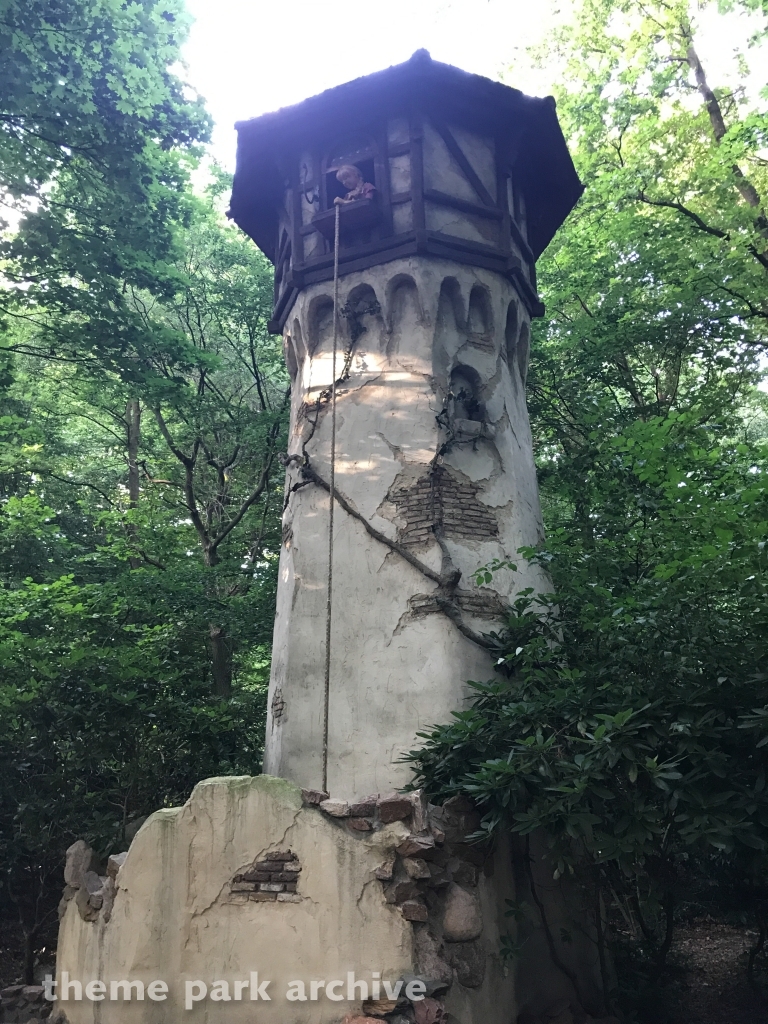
[175, 918]
[397, 667]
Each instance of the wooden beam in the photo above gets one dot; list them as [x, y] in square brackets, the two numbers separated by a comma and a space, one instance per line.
[373, 259]
[380, 248]
[381, 167]
[467, 245]
[443, 199]
[467, 169]
[522, 245]
[532, 301]
[502, 195]
[416, 127]
[297, 248]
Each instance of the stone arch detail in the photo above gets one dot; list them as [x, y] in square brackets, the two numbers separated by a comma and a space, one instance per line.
[320, 324]
[480, 327]
[450, 329]
[466, 394]
[297, 337]
[404, 312]
[452, 301]
[363, 317]
[511, 334]
[290, 356]
[524, 351]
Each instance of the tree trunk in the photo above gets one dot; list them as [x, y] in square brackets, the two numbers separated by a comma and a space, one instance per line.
[219, 642]
[221, 661]
[29, 956]
[133, 431]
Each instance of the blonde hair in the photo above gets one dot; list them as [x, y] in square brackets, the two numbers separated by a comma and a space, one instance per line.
[348, 167]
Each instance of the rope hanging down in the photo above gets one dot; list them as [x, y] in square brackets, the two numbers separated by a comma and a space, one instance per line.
[331, 499]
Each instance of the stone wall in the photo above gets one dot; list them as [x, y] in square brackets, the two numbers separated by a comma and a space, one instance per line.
[253, 875]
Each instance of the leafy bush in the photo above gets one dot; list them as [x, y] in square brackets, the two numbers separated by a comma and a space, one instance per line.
[628, 721]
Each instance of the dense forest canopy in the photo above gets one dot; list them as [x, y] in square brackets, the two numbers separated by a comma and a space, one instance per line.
[143, 409]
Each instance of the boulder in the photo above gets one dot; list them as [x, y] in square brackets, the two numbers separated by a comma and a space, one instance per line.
[386, 870]
[131, 829]
[399, 892]
[415, 910]
[462, 919]
[468, 959]
[416, 846]
[365, 809]
[336, 808]
[419, 813]
[313, 797]
[433, 968]
[79, 859]
[115, 862]
[379, 1007]
[415, 867]
[429, 1011]
[360, 824]
[394, 807]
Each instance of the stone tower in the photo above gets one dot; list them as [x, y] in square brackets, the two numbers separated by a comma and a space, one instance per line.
[434, 467]
[451, 187]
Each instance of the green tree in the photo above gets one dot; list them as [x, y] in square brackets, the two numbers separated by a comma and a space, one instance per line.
[95, 130]
[112, 683]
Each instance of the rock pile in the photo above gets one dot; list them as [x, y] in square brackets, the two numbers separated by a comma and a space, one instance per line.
[94, 894]
[431, 876]
[23, 1004]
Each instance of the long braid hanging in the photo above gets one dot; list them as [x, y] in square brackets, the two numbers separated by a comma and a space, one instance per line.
[331, 493]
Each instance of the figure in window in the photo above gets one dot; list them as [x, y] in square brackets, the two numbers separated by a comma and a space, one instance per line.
[351, 178]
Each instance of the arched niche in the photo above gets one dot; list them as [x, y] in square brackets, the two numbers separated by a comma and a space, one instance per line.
[320, 325]
[480, 318]
[290, 356]
[405, 315]
[450, 305]
[511, 332]
[362, 313]
[450, 328]
[524, 351]
[297, 337]
[465, 395]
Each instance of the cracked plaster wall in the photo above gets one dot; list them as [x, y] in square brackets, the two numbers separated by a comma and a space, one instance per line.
[398, 665]
[174, 917]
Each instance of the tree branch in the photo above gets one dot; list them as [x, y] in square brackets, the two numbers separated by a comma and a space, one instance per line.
[671, 205]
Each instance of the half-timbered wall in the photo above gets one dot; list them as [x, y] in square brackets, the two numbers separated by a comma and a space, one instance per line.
[442, 190]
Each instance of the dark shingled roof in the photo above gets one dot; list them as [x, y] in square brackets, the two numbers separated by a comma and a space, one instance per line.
[527, 126]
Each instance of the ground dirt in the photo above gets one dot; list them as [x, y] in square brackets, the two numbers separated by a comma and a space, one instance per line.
[710, 980]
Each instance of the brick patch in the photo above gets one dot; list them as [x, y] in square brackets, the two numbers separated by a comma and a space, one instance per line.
[440, 499]
[273, 874]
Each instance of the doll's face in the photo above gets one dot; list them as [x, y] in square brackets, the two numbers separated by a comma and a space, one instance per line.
[349, 176]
